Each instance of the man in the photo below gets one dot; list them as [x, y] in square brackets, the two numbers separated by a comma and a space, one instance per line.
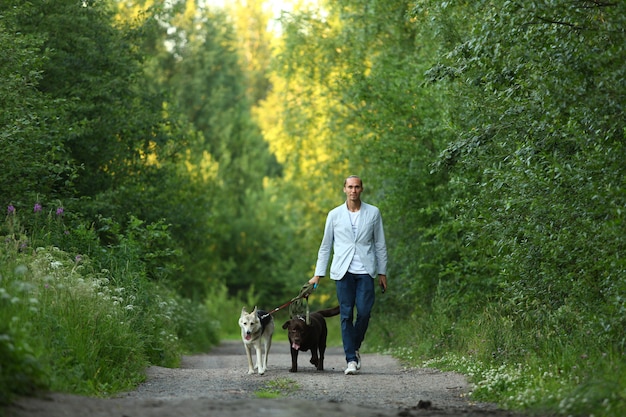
[354, 233]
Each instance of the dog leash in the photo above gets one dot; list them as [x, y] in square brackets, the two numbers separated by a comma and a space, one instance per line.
[306, 290]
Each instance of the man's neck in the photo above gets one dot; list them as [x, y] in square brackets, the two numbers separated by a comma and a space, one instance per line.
[353, 205]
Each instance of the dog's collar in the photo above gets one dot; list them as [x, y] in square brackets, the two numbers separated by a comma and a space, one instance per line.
[301, 318]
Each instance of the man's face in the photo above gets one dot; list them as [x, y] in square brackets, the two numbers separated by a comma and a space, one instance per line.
[353, 189]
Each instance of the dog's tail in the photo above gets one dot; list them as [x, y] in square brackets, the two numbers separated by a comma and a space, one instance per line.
[329, 312]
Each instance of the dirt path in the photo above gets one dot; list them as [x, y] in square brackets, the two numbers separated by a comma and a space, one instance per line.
[217, 385]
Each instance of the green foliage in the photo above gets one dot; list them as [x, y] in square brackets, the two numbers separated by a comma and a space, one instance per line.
[20, 373]
[134, 132]
[88, 319]
[89, 67]
[31, 121]
[537, 172]
[530, 240]
[75, 334]
[231, 229]
[490, 133]
[494, 136]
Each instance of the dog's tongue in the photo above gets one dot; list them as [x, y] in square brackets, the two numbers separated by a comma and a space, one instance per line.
[295, 346]
[248, 337]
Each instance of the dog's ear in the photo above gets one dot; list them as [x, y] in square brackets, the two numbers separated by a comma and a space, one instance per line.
[254, 311]
[243, 310]
[286, 324]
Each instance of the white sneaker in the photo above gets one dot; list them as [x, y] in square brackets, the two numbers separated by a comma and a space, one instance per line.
[358, 360]
[351, 369]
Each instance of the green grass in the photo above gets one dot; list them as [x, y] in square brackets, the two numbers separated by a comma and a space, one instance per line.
[72, 325]
[567, 374]
[277, 388]
[68, 323]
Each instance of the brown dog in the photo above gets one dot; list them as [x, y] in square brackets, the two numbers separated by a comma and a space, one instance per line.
[312, 336]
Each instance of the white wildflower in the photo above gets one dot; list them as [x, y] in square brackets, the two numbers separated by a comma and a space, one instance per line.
[21, 269]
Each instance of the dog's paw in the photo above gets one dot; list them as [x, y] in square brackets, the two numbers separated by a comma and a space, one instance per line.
[250, 371]
[293, 369]
[315, 361]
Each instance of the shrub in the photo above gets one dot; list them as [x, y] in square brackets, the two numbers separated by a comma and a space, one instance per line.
[85, 318]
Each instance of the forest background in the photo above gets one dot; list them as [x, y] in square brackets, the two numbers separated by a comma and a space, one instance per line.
[164, 164]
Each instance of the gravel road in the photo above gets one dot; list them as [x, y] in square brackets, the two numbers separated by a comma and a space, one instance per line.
[217, 384]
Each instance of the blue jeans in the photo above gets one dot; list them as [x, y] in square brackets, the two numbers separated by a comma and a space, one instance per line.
[354, 291]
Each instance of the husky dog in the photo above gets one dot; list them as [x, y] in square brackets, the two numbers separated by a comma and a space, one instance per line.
[257, 329]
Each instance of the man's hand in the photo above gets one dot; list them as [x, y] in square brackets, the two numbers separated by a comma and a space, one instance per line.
[315, 281]
[382, 281]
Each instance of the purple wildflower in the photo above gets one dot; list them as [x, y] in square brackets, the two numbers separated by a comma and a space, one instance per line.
[37, 208]
[11, 209]
[60, 211]
[78, 258]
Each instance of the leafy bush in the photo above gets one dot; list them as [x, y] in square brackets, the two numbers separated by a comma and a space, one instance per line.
[20, 372]
[86, 324]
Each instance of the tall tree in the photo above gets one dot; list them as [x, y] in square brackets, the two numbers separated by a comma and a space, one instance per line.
[236, 235]
[254, 39]
[36, 164]
[541, 99]
[91, 66]
[348, 83]
[296, 121]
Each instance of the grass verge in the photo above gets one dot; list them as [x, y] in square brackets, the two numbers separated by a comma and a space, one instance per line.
[277, 388]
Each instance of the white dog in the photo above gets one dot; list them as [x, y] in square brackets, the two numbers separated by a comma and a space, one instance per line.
[257, 329]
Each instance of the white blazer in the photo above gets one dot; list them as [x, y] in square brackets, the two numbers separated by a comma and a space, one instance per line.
[369, 242]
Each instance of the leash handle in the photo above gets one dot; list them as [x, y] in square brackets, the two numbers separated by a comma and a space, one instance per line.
[289, 302]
